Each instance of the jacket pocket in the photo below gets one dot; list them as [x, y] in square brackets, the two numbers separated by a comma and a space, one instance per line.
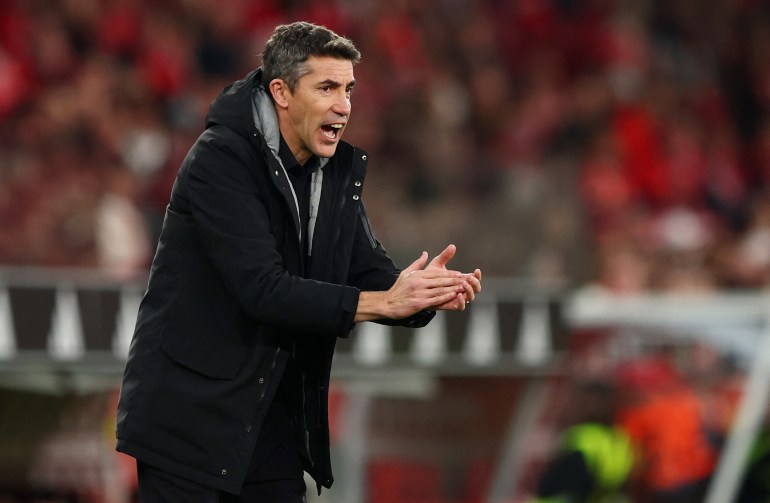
[210, 360]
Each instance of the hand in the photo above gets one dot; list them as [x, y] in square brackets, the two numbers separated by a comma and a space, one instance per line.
[417, 289]
[471, 283]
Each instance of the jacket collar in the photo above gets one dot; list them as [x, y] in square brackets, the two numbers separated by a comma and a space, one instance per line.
[266, 121]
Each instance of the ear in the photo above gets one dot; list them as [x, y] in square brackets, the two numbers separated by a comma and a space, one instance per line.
[280, 92]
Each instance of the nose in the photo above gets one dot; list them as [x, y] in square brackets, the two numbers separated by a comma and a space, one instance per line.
[341, 105]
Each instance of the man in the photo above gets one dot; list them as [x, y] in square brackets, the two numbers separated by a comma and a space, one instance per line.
[265, 258]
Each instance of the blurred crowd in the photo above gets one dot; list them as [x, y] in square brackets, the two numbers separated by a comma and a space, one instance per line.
[619, 143]
[649, 429]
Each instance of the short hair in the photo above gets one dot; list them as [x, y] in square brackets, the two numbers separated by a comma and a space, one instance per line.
[290, 45]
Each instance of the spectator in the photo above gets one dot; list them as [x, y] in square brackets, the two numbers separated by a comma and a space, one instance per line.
[122, 245]
[653, 110]
[664, 419]
[595, 457]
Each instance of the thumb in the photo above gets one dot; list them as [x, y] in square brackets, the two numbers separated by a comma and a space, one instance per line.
[417, 264]
[443, 258]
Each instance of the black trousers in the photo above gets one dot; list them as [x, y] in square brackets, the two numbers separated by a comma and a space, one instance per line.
[275, 474]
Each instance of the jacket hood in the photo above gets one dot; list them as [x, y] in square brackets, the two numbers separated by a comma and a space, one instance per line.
[266, 120]
[233, 107]
[245, 105]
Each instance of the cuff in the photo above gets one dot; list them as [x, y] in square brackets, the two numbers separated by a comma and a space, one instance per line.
[348, 308]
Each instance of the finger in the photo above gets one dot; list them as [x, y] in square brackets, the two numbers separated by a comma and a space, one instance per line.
[417, 264]
[446, 301]
[436, 273]
[435, 294]
[428, 281]
[470, 295]
[474, 282]
[444, 257]
[437, 276]
[460, 303]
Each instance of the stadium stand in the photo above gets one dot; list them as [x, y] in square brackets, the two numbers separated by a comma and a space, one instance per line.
[614, 154]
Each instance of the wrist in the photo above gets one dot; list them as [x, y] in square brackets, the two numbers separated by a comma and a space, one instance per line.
[372, 306]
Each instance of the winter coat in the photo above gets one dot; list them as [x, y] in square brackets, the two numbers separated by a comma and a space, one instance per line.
[230, 297]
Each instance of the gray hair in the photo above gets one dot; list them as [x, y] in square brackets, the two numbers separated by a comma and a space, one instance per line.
[290, 45]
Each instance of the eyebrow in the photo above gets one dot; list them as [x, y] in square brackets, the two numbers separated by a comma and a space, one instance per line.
[334, 83]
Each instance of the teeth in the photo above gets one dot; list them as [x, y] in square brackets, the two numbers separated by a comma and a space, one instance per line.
[336, 126]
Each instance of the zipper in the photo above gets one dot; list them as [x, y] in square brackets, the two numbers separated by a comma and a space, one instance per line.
[296, 201]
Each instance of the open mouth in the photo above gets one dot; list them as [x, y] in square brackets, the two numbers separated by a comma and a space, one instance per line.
[332, 131]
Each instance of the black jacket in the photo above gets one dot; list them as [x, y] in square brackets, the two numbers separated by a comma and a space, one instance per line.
[228, 293]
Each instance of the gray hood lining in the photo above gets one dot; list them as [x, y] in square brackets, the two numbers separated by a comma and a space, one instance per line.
[266, 122]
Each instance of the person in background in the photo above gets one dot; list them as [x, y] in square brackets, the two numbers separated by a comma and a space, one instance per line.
[595, 457]
[266, 257]
[665, 419]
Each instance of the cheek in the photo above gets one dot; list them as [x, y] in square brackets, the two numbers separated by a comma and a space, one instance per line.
[312, 122]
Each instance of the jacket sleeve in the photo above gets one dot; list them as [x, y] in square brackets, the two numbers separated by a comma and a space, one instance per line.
[232, 221]
[372, 269]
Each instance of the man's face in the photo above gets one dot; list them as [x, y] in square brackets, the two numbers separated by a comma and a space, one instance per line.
[318, 110]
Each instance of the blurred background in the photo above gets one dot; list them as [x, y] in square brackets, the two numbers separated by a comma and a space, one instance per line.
[606, 163]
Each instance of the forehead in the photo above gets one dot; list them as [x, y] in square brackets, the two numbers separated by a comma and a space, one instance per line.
[328, 68]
